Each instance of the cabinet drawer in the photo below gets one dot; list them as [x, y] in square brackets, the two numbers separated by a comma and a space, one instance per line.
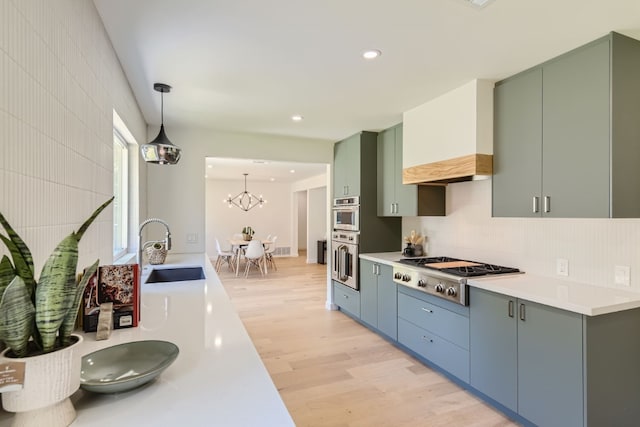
[346, 298]
[441, 352]
[448, 325]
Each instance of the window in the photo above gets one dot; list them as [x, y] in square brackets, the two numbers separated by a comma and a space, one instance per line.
[121, 194]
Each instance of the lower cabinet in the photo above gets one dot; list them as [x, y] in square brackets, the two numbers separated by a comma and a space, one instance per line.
[528, 357]
[378, 298]
[436, 330]
[348, 299]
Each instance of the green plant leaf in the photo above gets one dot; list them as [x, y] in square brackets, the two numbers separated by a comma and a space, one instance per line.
[55, 293]
[89, 220]
[7, 273]
[23, 266]
[69, 322]
[20, 246]
[17, 317]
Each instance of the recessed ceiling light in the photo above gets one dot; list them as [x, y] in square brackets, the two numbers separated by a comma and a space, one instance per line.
[297, 118]
[206, 176]
[479, 3]
[292, 171]
[210, 166]
[371, 54]
[272, 179]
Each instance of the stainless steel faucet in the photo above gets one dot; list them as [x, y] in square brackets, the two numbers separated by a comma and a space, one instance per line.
[166, 241]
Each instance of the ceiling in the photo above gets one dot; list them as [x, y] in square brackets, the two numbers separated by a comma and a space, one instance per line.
[261, 170]
[249, 65]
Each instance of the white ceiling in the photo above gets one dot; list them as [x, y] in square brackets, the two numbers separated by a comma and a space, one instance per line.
[248, 65]
[261, 170]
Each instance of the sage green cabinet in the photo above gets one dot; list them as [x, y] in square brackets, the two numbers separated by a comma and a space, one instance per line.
[394, 197]
[346, 298]
[346, 172]
[435, 329]
[528, 357]
[565, 135]
[378, 298]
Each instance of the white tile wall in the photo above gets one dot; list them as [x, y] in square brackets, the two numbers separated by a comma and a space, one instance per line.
[592, 246]
[59, 83]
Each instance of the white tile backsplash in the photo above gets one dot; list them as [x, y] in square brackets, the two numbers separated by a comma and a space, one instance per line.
[592, 246]
[59, 83]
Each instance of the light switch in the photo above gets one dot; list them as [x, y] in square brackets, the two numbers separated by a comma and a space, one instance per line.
[562, 267]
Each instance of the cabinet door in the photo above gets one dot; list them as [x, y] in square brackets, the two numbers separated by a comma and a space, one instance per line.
[346, 167]
[576, 133]
[369, 292]
[517, 151]
[550, 365]
[406, 195]
[387, 302]
[493, 346]
[386, 172]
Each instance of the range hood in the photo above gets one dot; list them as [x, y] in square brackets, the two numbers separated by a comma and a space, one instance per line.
[450, 139]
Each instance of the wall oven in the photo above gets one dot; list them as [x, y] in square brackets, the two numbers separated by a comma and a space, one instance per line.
[344, 246]
[346, 213]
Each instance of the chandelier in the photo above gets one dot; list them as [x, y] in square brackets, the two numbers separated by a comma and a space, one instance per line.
[245, 200]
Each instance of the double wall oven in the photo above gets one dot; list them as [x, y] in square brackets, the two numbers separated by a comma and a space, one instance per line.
[344, 241]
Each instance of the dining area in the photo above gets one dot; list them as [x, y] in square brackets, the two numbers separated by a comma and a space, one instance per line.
[243, 252]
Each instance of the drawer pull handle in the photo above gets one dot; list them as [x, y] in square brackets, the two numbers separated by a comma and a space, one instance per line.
[427, 339]
[427, 310]
[511, 308]
[346, 296]
[523, 315]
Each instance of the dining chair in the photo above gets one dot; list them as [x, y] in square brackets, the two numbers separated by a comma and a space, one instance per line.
[254, 255]
[269, 253]
[224, 256]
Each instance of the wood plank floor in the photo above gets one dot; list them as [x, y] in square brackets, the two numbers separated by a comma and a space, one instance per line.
[332, 371]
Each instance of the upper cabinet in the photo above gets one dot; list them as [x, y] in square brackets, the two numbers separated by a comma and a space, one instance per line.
[566, 135]
[394, 197]
[346, 171]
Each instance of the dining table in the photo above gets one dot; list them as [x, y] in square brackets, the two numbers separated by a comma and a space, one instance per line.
[238, 244]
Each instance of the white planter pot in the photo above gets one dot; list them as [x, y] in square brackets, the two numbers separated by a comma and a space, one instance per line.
[48, 382]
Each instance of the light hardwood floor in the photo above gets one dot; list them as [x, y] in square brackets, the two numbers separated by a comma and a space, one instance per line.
[332, 371]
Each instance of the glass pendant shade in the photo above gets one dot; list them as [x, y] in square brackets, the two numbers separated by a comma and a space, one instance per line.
[161, 151]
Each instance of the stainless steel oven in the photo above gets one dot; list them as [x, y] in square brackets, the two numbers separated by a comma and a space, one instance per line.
[344, 246]
[346, 213]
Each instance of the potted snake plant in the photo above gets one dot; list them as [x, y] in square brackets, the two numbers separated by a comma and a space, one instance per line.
[37, 318]
[247, 233]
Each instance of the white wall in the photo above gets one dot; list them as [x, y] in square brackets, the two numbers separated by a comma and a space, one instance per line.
[59, 83]
[302, 219]
[177, 193]
[317, 223]
[592, 246]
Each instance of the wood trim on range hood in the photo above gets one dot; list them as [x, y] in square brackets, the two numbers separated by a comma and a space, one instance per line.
[465, 168]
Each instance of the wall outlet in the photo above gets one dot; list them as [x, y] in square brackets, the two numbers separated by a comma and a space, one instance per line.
[621, 274]
[562, 267]
[192, 237]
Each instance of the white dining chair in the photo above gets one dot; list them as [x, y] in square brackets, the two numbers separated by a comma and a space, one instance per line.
[254, 255]
[269, 253]
[224, 256]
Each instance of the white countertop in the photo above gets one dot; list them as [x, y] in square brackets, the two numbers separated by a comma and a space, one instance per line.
[564, 294]
[218, 378]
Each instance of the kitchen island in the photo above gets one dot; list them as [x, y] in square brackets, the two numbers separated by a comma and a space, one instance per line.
[218, 378]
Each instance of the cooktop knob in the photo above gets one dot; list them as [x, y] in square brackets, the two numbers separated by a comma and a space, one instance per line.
[451, 291]
[406, 278]
[397, 276]
[422, 283]
[440, 288]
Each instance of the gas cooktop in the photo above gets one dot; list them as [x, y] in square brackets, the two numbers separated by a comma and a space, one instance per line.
[458, 267]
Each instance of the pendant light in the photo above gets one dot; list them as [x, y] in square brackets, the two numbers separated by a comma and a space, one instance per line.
[161, 151]
[245, 200]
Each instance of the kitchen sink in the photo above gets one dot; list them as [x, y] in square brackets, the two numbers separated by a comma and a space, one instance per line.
[175, 274]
